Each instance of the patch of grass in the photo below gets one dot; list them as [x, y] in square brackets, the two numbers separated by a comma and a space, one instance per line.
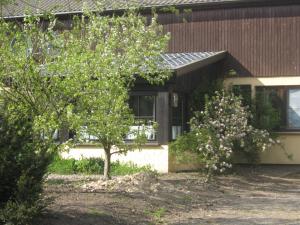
[72, 166]
[97, 212]
[157, 214]
[62, 166]
[93, 166]
[121, 169]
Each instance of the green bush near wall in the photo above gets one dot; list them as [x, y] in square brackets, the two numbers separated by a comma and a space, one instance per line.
[93, 166]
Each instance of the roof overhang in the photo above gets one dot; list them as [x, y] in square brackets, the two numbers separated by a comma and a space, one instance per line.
[184, 63]
[19, 8]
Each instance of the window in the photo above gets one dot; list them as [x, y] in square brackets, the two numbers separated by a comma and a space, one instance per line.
[244, 91]
[270, 108]
[177, 115]
[285, 100]
[293, 109]
[144, 109]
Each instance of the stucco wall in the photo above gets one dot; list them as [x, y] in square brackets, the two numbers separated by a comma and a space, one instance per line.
[278, 154]
[155, 156]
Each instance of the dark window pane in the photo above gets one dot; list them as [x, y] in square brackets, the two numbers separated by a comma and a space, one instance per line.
[244, 91]
[177, 118]
[177, 112]
[270, 107]
[146, 106]
[143, 107]
[134, 104]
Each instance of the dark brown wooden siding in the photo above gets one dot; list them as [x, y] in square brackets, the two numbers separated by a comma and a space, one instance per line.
[261, 41]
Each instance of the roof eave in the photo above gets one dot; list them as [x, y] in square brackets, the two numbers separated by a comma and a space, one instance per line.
[200, 64]
[202, 5]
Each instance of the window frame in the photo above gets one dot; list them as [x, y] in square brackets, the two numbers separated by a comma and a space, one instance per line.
[146, 93]
[285, 127]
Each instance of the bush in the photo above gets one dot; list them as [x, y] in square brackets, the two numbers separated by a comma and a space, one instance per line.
[23, 164]
[186, 143]
[62, 166]
[73, 166]
[222, 130]
[93, 166]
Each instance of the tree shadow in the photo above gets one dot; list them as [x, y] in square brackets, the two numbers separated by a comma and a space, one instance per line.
[93, 217]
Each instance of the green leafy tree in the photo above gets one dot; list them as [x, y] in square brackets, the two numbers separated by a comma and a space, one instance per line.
[35, 104]
[114, 52]
[80, 78]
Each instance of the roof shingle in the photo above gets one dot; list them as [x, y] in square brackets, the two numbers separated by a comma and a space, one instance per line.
[20, 7]
[182, 63]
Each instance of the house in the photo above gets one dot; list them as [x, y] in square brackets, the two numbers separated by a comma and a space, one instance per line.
[252, 44]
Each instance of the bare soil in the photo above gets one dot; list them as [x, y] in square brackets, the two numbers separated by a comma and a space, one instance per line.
[262, 195]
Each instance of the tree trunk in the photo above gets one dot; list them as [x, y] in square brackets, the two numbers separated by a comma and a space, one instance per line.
[107, 164]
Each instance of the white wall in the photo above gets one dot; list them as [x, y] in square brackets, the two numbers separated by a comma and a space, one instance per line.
[155, 156]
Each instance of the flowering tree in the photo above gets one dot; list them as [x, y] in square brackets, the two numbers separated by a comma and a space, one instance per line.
[222, 129]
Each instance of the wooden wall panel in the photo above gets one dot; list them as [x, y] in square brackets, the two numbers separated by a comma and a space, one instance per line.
[261, 41]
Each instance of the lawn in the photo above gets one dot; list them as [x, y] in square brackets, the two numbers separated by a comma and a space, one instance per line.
[265, 195]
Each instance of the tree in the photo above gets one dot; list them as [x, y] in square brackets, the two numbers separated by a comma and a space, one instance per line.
[80, 78]
[116, 50]
[33, 83]
[35, 104]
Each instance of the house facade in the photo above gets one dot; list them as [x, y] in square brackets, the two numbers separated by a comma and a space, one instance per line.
[250, 44]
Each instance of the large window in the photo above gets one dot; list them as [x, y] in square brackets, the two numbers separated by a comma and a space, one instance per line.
[285, 100]
[144, 109]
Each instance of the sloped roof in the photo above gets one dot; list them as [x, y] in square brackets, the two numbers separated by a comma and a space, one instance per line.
[19, 7]
[183, 63]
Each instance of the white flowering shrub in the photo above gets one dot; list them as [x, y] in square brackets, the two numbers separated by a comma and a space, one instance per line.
[222, 129]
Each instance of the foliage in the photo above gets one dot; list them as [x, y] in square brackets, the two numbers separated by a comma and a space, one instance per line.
[80, 78]
[265, 115]
[157, 214]
[113, 51]
[72, 166]
[23, 163]
[207, 88]
[93, 166]
[120, 169]
[20, 213]
[185, 143]
[223, 130]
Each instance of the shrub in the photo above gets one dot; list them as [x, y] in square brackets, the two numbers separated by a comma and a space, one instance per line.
[62, 166]
[120, 169]
[185, 143]
[222, 130]
[23, 164]
[93, 166]
[73, 166]
[89, 166]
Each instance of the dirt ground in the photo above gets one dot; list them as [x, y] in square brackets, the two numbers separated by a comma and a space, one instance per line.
[264, 195]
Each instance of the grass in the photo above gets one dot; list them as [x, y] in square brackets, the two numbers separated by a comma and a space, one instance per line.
[157, 215]
[93, 166]
[121, 169]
